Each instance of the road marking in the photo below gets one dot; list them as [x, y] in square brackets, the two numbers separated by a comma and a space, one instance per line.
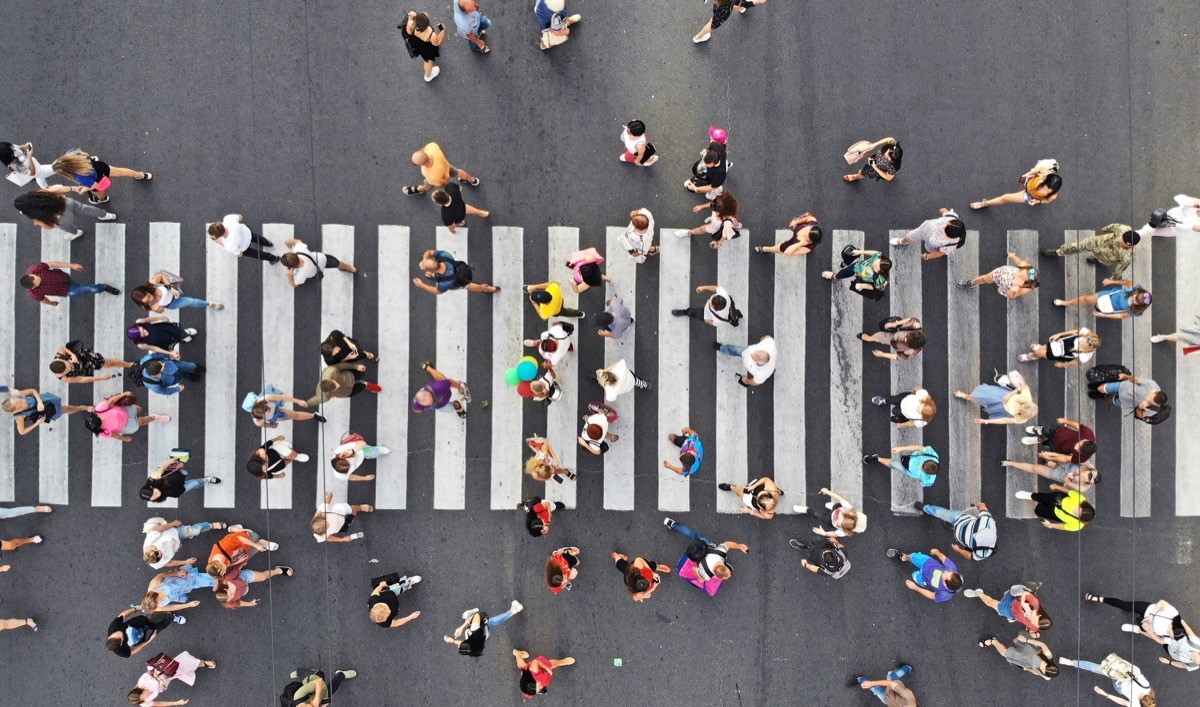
[1185, 397]
[337, 312]
[962, 337]
[562, 415]
[1137, 460]
[508, 312]
[1080, 280]
[845, 383]
[791, 336]
[905, 294]
[278, 356]
[619, 463]
[674, 387]
[164, 436]
[109, 341]
[8, 315]
[733, 273]
[53, 472]
[1022, 331]
[220, 371]
[391, 345]
[450, 432]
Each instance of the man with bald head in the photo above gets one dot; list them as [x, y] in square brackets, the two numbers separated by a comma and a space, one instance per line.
[472, 24]
[437, 170]
[759, 360]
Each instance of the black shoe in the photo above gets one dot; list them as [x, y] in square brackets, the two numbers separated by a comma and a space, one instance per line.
[724, 487]
[870, 458]
[214, 480]
[1050, 253]
[111, 290]
[895, 554]
[679, 312]
[918, 507]
[272, 259]
[717, 345]
[266, 242]
[319, 417]
[1092, 261]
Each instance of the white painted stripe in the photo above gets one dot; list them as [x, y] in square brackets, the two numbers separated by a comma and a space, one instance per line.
[53, 471]
[164, 436]
[619, 462]
[673, 383]
[845, 382]
[8, 314]
[391, 471]
[220, 371]
[1022, 331]
[733, 273]
[278, 355]
[561, 417]
[905, 295]
[1079, 281]
[450, 432]
[790, 332]
[961, 467]
[508, 311]
[109, 341]
[337, 312]
[1136, 453]
[1185, 399]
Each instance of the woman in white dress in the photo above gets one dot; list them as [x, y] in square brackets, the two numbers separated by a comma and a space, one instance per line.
[153, 683]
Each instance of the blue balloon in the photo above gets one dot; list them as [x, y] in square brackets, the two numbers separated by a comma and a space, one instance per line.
[526, 370]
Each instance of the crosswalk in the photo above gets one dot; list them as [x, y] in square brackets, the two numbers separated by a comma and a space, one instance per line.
[794, 326]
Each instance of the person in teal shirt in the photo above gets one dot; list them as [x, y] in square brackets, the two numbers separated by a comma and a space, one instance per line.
[921, 463]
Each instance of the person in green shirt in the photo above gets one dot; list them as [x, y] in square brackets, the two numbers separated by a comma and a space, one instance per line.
[1062, 508]
[313, 690]
[868, 268]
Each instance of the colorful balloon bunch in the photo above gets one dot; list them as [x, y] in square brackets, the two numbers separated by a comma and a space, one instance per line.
[520, 375]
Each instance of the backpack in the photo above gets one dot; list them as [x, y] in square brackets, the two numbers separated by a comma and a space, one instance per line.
[252, 398]
[696, 551]
[1161, 415]
[137, 374]
[462, 276]
[1106, 373]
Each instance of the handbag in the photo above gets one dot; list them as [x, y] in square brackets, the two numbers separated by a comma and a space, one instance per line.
[857, 151]
[1115, 667]
[164, 665]
[171, 278]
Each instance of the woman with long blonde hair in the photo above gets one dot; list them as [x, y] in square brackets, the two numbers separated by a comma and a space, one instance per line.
[88, 171]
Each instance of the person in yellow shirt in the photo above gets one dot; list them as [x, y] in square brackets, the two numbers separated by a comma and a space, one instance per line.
[437, 170]
[547, 299]
[1062, 508]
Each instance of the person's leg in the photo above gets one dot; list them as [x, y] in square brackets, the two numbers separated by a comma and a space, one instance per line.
[182, 302]
[918, 559]
[1137, 608]
[1088, 666]
[257, 254]
[704, 33]
[845, 272]
[125, 172]
[943, 514]
[568, 312]
[186, 368]
[193, 484]
[494, 621]
[881, 693]
[639, 382]
[900, 673]
[482, 287]
[472, 211]
[16, 511]
[428, 69]
[191, 531]
[10, 545]
[689, 533]
[9, 624]
[359, 386]
[259, 240]
[77, 290]
[732, 350]
[1110, 388]
[338, 678]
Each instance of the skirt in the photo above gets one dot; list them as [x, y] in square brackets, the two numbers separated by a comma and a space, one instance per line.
[991, 399]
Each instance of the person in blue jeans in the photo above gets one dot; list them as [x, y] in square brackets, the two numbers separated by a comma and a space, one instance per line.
[974, 528]
[475, 625]
[936, 577]
[44, 281]
[472, 24]
[31, 408]
[16, 511]
[163, 375]
[891, 691]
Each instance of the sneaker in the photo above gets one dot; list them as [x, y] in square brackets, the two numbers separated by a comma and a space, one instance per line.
[682, 232]
[37, 539]
[93, 200]
[433, 74]
[918, 506]
[319, 417]
[896, 241]
[1130, 628]
[1030, 430]
[1157, 339]
[971, 593]
[1024, 495]
[573, 19]
[701, 39]
[797, 545]
[1031, 441]
[893, 553]
[1050, 253]
[412, 580]
[1092, 261]
[356, 536]
[72, 236]
[473, 184]
[879, 401]
[349, 674]
[146, 176]
[469, 613]
[111, 290]
[679, 312]
[515, 607]
[725, 487]
[1065, 661]
[302, 458]
[964, 285]
[800, 509]
[384, 451]
[670, 523]
[190, 332]
[829, 506]
[870, 458]
[179, 619]
[1024, 358]
[716, 345]
[214, 480]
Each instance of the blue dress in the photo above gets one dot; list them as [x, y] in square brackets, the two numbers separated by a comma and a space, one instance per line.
[991, 398]
[177, 588]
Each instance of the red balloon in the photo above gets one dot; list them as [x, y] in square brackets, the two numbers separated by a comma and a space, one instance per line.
[525, 389]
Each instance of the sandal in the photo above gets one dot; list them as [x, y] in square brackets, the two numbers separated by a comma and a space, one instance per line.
[217, 525]
[410, 190]
[426, 365]
[460, 410]
[210, 664]
[1092, 597]
[757, 249]
[848, 178]
[977, 205]
[216, 305]
[987, 642]
[286, 571]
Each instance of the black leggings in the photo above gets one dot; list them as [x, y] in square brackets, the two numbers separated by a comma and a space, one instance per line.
[894, 401]
[1136, 608]
[1046, 503]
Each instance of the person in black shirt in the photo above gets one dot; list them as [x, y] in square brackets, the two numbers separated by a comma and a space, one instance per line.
[339, 348]
[454, 209]
[708, 173]
[129, 633]
[270, 460]
[384, 602]
[170, 481]
[476, 624]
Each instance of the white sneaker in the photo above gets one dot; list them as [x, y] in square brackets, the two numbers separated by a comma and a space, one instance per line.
[1157, 339]
[800, 509]
[971, 593]
[413, 580]
[1024, 495]
[302, 457]
[179, 619]
[190, 332]
[515, 607]
[384, 450]
[433, 74]
[1030, 441]
[349, 674]
[110, 216]
[469, 613]
[1130, 628]
[829, 505]
[72, 236]
[896, 241]
[272, 546]
[682, 232]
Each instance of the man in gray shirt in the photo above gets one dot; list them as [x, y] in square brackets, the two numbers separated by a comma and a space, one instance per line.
[614, 320]
[1142, 398]
[472, 25]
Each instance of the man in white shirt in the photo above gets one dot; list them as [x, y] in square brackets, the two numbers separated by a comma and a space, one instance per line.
[638, 238]
[718, 310]
[758, 359]
[163, 540]
[236, 237]
[303, 264]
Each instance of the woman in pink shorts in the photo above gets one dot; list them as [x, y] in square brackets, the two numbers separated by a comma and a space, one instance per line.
[118, 417]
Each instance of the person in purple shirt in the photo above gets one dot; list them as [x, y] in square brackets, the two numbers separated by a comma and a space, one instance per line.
[937, 576]
[440, 392]
[614, 320]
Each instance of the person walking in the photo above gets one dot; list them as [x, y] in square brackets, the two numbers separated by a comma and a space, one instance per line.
[638, 149]
[711, 558]
[1040, 186]
[472, 634]
[161, 292]
[537, 674]
[1160, 622]
[1120, 299]
[163, 540]
[383, 606]
[170, 481]
[710, 171]
[88, 171]
[691, 452]
[132, 631]
[721, 225]
[974, 528]
[561, 568]
[1018, 605]
[1007, 402]
[440, 392]
[333, 519]
[806, 236]
[233, 552]
[76, 363]
[164, 374]
[936, 577]
[339, 348]
[595, 435]
[18, 511]
[720, 13]
[1029, 654]
[905, 336]
[301, 264]
[230, 589]
[1113, 247]
[882, 164]
[437, 170]
[454, 209]
[759, 498]
[341, 380]
[31, 408]
[615, 320]
[922, 463]
[827, 557]
[21, 167]
[118, 417]
[313, 689]
[1065, 441]
[868, 272]
[545, 463]
[154, 681]
[1132, 687]
[15, 543]
[49, 209]
[471, 24]
[170, 590]
[267, 412]
[915, 408]
[271, 459]
[1081, 477]
[554, 343]
[555, 20]
[158, 334]
[422, 41]
[1143, 399]
[232, 234]
[845, 519]
[1188, 335]
[44, 281]
[585, 270]
[641, 575]
[350, 454]
[1066, 348]
[759, 359]
[891, 691]
[538, 513]
[547, 301]
[1060, 509]
[718, 310]
[1011, 281]
[448, 274]
[939, 236]
[638, 239]
[617, 379]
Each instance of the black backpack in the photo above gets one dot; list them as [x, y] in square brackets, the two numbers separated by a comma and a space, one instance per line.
[136, 375]
[462, 276]
[696, 551]
[1106, 373]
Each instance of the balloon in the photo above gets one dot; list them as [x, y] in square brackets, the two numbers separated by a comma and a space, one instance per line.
[527, 370]
[511, 377]
[530, 359]
[525, 390]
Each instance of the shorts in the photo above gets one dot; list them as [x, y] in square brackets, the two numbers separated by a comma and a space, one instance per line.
[1005, 607]
[331, 262]
[132, 425]
[453, 175]
[246, 576]
[1030, 199]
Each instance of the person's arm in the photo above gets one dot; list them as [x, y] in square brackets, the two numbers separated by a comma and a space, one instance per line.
[809, 566]
[884, 354]
[1119, 700]
[1117, 315]
[1053, 526]
[757, 513]
[907, 448]
[46, 300]
[428, 288]
[1054, 457]
[151, 320]
[289, 274]
[538, 286]
[134, 650]
[1059, 487]
[913, 423]
[24, 427]
[54, 264]
[160, 703]
[436, 38]
[743, 547]
[706, 288]
[1018, 260]
[920, 590]
[833, 496]
[586, 445]
[938, 554]
[400, 622]
[933, 256]
[961, 551]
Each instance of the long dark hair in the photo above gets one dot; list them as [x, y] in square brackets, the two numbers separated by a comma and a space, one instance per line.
[8, 153]
[41, 205]
[895, 155]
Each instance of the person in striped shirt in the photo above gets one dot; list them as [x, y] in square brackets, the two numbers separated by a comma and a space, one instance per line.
[974, 528]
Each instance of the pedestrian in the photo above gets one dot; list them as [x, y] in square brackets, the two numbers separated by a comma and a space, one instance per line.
[164, 374]
[718, 310]
[1011, 281]
[43, 281]
[561, 568]
[538, 513]
[313, 690]
[1009, 401]
[759, 498]
[922, 462]
[759, 360]
[341, 380]
[271, 459]
[30, 408]
[691, 452]
[936, 577]
[883, 163]
[76, 363]
[547, 301]
[844, 517]
[21, 167]
[301, 264]
[472, 25]
[1131, 686]
[267, 412]
[1018, 605]
[585, 270]
[721, 11]
[711, 558]
[350, 454]
[88, 171]
[1161, 623]
[905, 336]
[891, 691]
[154, 681]
[1113, 247]
[454, 209]
[1081, 477]
[49, 209]
[545, 388]
[339, 348]
[806, 236]
[974, 528]
[1180, 220]
[158, 334]
[638, 149]
[940, 236]
[545, 464]
[170, 481]
[118, 417]
[914, 408]
[1029, 654]
[163, 540]
[867, 270]
[437, 170]
[332, 520]
[132, 631]
[231, 553]
[384, 603]
[828, 557]
[449, 274]
[721, 225]
[232, 234]
[617, 378]
[422, 41]
[1066, 348]
[595, 435]
[1120, 299]
[440, 392]
[161, 292]
[1143, 399]
[641, 575]
[710, 171]
[554, 343]
[1040, 186]
[554, 19]
[11, 545]
[169, 590]
[18, 511]
[638, 239]
[1189, 336]
[1060, 509]
[475, 629]
[9, 624]
[1064, 441]
[615, 319]
[230, 589]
